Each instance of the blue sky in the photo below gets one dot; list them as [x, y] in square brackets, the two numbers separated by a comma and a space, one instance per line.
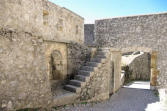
[99, 9]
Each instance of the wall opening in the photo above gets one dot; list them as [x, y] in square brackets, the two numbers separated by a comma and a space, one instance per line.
[140, 67]
[136, 66]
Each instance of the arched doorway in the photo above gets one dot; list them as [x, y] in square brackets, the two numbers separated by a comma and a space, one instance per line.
[56, 65]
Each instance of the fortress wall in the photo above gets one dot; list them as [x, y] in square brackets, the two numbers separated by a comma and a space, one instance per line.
[89, 34]
[42, 18]
[23, 71]
[24, 25]
[149, 31]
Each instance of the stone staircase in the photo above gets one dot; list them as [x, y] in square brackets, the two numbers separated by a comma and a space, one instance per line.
[86, 72]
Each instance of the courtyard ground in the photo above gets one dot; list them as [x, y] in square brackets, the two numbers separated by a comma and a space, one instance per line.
[135, 96]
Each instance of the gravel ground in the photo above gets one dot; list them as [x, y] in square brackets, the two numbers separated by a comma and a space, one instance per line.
[126, 99]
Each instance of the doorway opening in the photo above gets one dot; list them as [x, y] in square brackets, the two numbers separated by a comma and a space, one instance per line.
[140, 66]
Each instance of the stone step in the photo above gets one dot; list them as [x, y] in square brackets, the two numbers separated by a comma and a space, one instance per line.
[100, 53]
[72, 88]
[103, 49]
[87, 68]
[93, 64]
[76, 83]
[85, 73]
[82, 78]
[99, 60]
[100, 56]
[95, 60]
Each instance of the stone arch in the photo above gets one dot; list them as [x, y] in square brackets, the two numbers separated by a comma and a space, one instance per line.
[56, 65]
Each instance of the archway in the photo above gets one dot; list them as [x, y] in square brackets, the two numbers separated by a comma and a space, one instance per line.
[56, 72]
[56, 65]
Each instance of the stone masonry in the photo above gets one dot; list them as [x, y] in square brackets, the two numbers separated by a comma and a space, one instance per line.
[137, 65]
[89, 34]
[97, 88]
[95, 80]
[147, 31]
[23, 72]
[141, 67]
[35, 36]
[42, 18]
[42, 54]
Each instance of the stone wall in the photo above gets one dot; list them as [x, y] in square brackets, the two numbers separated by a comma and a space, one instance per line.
[140, 67]
[26, 71]
[30, 35]
[78, 55]
[23, 71]
[148, 31]
[89, 34]
[42, 18]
